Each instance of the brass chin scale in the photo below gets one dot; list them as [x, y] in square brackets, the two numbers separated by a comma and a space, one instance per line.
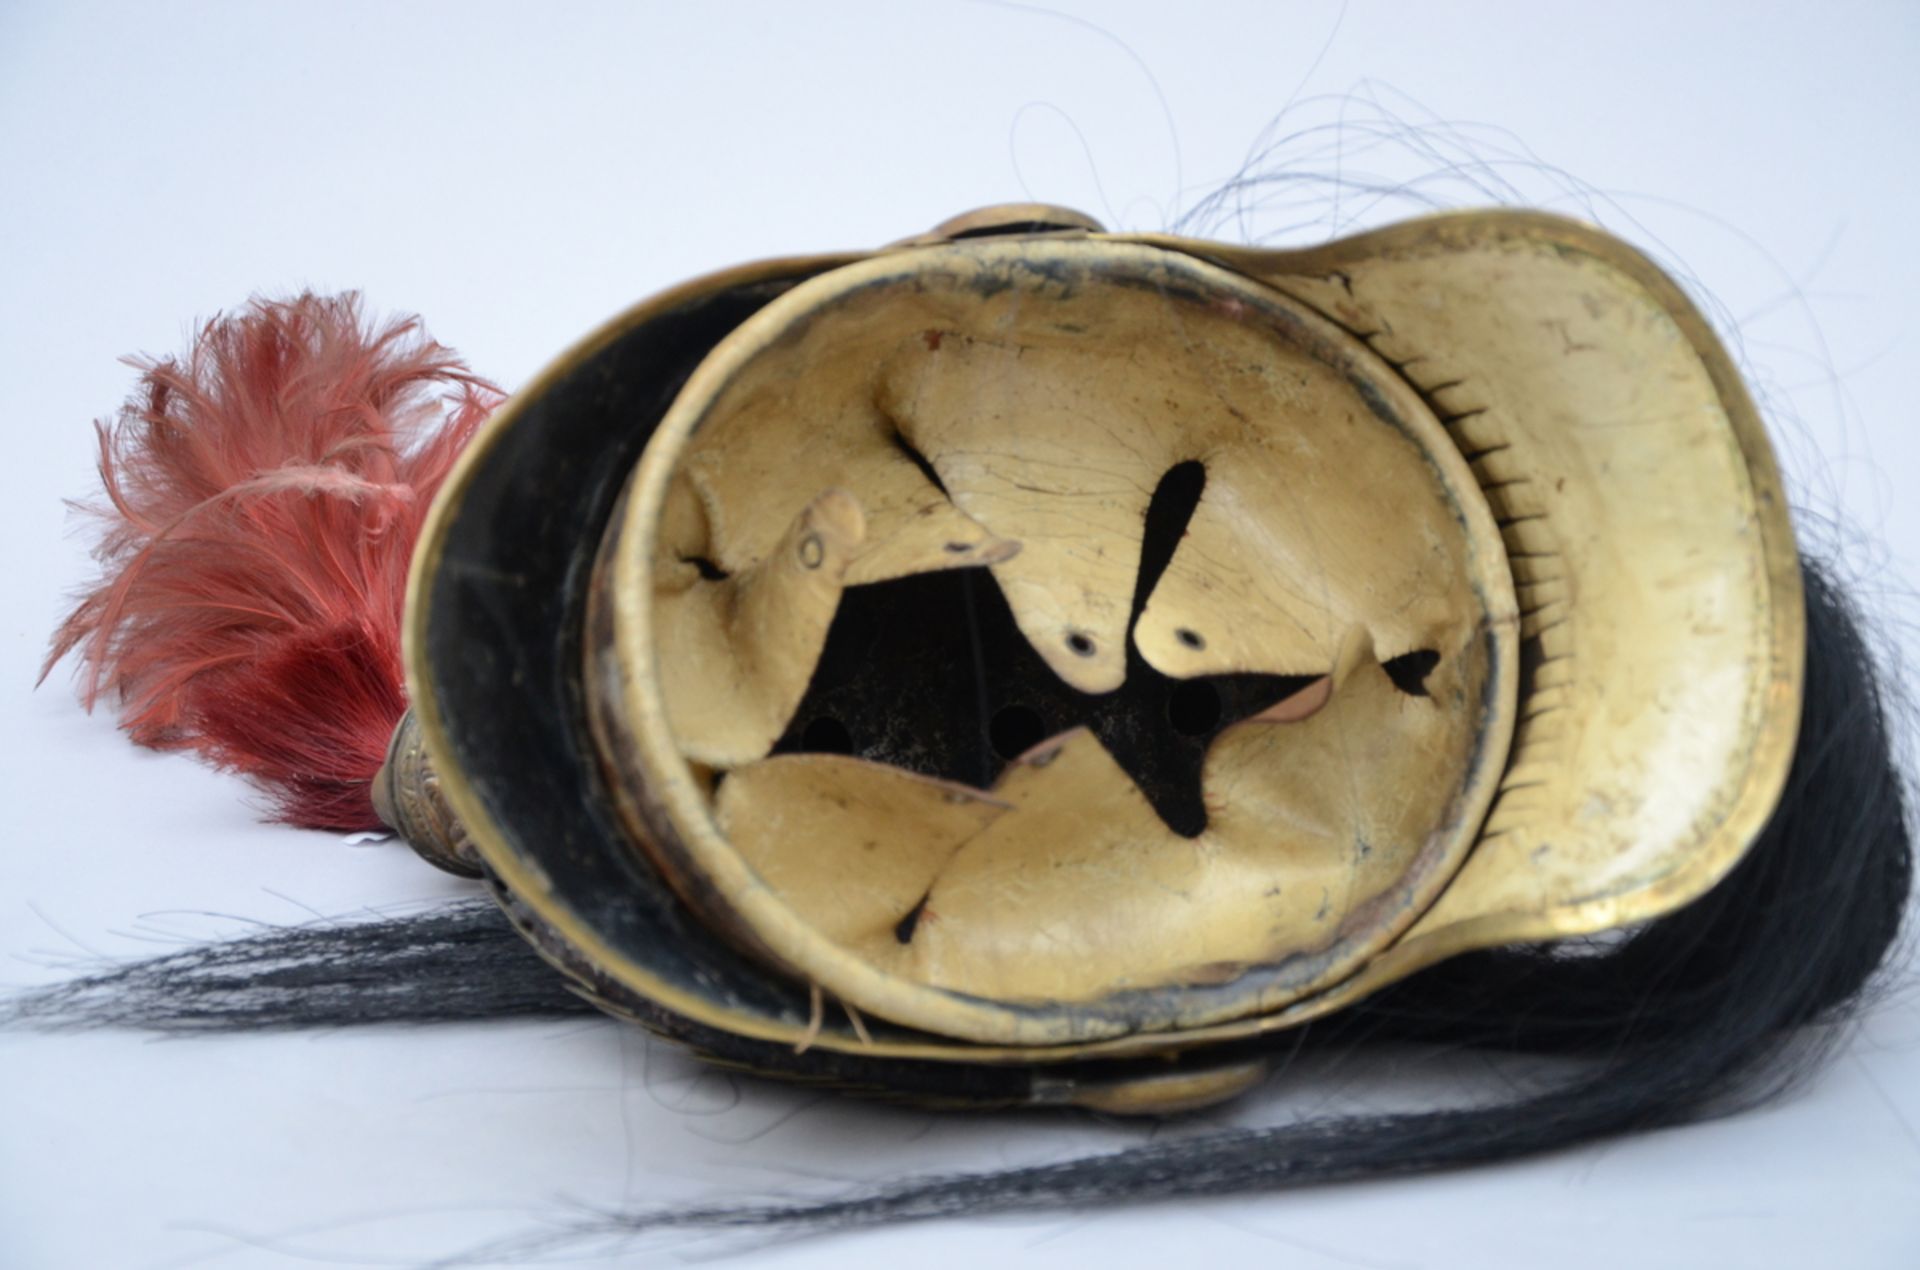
[1028, 665]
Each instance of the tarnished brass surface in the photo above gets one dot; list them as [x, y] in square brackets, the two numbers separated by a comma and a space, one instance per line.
[1652, 554]
[1167, 1093]
[1643, 531]
[407, 797]
[1005, 218]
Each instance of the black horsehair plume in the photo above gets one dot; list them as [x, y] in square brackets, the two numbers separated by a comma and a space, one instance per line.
[1712, 1009]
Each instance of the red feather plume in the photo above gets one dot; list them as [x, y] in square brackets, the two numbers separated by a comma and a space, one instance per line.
[262, 501]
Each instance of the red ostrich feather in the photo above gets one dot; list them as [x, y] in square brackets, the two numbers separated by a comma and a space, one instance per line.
[263, 496]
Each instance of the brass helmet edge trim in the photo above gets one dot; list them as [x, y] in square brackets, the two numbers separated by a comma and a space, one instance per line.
[679, 816]
[1748, 809]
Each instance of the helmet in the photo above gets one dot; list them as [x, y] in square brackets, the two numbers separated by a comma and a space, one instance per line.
[1027, 664]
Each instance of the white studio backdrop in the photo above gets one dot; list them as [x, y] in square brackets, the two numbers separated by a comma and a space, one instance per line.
[518, 173]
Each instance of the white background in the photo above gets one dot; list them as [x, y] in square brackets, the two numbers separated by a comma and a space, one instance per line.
[519, 173]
